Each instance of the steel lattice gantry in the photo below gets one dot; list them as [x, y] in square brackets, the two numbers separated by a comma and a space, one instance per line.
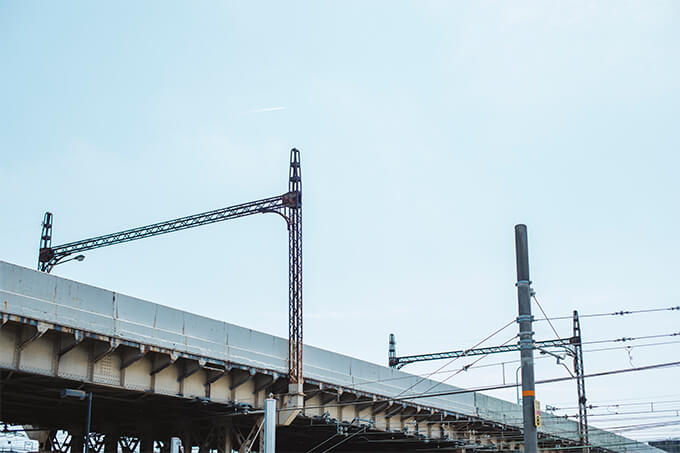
[572, 346]
[294, 216]
[398, 362]
[288, 206]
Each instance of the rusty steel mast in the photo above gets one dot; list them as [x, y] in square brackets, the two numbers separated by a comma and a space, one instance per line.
[288, 206]
[294, 220]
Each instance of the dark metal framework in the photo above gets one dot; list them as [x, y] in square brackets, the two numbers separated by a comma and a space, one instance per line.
[398, 362]
[573, 347]
[293, 212]
[580, 385]
[288, 206]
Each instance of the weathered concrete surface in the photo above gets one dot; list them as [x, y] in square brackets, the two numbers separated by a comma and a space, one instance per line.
[75, 331]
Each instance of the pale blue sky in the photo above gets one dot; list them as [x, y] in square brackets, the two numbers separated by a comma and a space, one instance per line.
[427, 130]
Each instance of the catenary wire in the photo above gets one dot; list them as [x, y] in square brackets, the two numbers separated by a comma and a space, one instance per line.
[624, 339]
[546, 316]
[504, 386]
[456, 358]
[615, 313]
[600, 406]
[467, 368]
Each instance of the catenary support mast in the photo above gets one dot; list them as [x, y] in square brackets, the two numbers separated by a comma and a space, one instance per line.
[294, 214]
[580, 385]
[288, 206]
[526, 341]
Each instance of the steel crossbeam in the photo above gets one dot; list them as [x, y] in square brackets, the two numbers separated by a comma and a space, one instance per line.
[398, 362]
[49, 256]
[288, 206]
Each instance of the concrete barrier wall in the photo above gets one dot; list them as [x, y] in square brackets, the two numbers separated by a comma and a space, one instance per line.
[48, 298]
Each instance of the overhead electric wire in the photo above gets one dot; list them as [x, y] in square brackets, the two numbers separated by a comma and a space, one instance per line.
[599, 406]
[672, 395]
[615, 414]
[560, 379]
[642, 426]
[546, 316]
[631, 445]
[467, 367]
[426, 394]
[624, 339]
[615, 313]
[362, 430]
[504, 386]
[456, 358]
[516, 427]
[518, 421]
[357, 386]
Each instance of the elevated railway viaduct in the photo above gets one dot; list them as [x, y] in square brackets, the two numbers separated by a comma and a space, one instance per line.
[157, 372]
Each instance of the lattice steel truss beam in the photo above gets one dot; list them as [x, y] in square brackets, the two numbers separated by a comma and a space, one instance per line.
[50, 256]
[288, 206]
[573, 347]
[293, 211]
[398, 362]
[580, 385]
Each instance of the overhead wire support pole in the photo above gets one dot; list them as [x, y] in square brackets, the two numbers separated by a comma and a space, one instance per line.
[288, 206]
[399, 362]
[580, 385]
[294, 214]
[572, 346]
[526, 339]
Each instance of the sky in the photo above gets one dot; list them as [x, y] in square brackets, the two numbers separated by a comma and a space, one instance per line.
[427, 131]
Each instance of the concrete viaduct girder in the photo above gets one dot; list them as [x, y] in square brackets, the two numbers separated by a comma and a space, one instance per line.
[156, 372]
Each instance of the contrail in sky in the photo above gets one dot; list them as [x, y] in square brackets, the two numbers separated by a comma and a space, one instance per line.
[267, 109]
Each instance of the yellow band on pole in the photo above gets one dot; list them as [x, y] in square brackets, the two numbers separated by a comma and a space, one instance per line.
[528, 393]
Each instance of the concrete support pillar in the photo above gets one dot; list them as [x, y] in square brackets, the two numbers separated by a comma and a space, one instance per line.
[165, 445]
[77, 441]
[146, 443]
[186, 441]
[45, 442]
[228, 439]
[111, 442]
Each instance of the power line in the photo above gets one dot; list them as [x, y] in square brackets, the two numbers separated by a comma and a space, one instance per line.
[615, 313]
[456, 358]
[560, 379]
[642, 426]
[546, 316]
[362, 430]
[598, 406]
[470, 367]
[504, 386]
[556, 432]
[614, 414]
[673, 395]
[624, 339]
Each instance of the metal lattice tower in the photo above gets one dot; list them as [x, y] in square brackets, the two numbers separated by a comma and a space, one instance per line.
[288, 206]
[46, 254]
[294, 214]
[572, 346]
[580, 385]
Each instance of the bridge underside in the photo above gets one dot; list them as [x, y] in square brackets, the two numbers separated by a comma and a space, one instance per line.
[157, 372]
[139, 418]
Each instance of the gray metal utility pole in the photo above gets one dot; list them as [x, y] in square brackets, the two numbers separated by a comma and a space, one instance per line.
[526, 340]
[270, 425]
